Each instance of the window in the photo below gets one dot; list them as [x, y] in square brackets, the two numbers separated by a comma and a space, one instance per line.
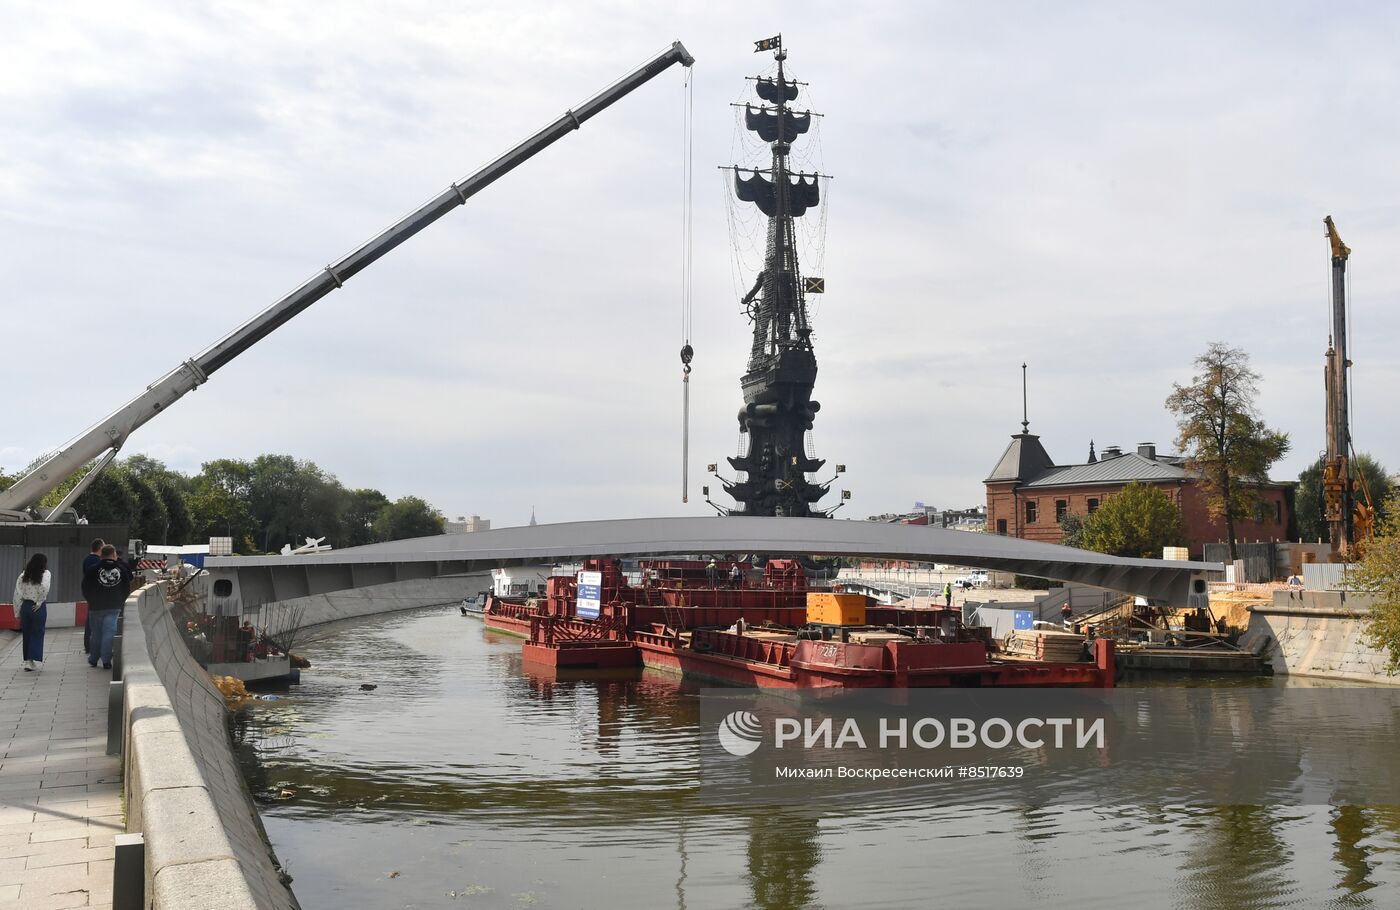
[1001, 526]
[1093, 506]
[1031, 511]
[1278, 511]
[1061, 509]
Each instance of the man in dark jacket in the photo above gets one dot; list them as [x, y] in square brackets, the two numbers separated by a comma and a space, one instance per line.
[90, 560]
[105, 588]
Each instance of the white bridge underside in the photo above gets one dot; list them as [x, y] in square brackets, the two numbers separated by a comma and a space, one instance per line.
[267, 579]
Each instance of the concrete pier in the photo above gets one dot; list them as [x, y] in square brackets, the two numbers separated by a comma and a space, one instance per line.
[60, 793]
[1318, 633]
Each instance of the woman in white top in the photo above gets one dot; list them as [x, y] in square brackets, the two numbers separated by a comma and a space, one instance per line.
[31, 596]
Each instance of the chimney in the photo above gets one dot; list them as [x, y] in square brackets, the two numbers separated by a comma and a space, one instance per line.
[1147, 450]
[1110, 452]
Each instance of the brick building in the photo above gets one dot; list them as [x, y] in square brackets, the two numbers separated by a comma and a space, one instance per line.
[1027, 493]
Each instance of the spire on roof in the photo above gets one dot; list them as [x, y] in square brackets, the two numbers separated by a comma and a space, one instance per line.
[1093, 459]
[532, 517]
[1025, 416]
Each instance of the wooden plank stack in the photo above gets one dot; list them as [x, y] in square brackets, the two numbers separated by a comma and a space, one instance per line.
[1043, 644]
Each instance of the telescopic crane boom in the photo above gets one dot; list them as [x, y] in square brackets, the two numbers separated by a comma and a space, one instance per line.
[106, 438]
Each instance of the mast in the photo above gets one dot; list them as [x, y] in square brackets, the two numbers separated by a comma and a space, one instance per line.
[1336, 474]
[778, 408]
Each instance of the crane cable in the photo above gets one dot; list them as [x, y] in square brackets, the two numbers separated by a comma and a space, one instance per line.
[687, 245]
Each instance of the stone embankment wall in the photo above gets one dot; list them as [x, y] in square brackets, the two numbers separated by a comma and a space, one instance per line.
[409, 594]
[205, 847]
[1318, 633]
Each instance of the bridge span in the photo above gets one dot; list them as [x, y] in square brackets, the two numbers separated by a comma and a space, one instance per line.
[252, 581]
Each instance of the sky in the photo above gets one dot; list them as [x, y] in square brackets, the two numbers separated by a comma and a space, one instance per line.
[1098, 190]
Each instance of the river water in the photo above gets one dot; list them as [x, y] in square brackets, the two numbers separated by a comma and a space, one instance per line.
[463, 780]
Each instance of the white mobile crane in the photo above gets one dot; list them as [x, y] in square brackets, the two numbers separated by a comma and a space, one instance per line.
[103, 441]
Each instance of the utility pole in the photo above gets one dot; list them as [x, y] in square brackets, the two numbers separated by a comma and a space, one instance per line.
[1336, 474]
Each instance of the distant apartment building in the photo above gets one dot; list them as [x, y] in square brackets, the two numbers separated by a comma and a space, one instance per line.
[1028, 494]
[466, 525]
[973, 519]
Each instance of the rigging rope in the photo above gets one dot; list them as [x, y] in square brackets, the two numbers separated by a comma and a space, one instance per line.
[687, 259]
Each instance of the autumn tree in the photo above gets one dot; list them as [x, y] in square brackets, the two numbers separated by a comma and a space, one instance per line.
[1137, 521]
[1308, 506]
[1378, 574]
[1228, 448]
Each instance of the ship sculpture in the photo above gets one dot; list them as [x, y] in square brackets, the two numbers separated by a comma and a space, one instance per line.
[778, 409]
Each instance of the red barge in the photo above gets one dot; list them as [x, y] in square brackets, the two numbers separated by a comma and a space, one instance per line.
[776, 633]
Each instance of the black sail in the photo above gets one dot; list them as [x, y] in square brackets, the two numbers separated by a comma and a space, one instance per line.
[765, 121]
[756, 188]
[768, 90]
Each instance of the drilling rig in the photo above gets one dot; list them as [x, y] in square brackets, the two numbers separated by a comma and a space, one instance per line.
[1350, 517]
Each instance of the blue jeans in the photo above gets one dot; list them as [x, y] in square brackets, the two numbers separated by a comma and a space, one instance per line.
[104, 629]
[32, 620]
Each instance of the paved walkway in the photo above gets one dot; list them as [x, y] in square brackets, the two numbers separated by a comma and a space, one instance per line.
[60, 794]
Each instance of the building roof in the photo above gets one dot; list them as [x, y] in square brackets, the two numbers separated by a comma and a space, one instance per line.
[1123, 469]
[1024, 459]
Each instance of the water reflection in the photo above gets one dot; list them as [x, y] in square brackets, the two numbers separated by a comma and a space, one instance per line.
[784, 850]
[1240, 859]
[466, 776]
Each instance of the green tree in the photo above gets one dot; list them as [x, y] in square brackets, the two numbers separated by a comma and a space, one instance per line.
[362, 507]
[110, 498]
[179, 526]
[407, 517]
[1072, 527]
[1227, 446]
[1137, 521]
[292, 500]
[218, 503]
[151, 520]
[1308, 507]
[1378, 573]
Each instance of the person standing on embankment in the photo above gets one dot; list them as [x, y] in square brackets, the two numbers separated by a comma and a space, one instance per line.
[90, 560]
[32, 596]
[105, 587]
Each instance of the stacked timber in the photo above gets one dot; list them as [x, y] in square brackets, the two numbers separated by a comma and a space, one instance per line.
[1044, 644]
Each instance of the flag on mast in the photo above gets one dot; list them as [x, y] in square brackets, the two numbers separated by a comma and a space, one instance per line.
[768, 44]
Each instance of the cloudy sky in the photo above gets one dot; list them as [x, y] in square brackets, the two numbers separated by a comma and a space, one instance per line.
[1098, 189]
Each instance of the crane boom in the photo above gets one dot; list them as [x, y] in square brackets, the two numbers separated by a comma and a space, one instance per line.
[112, 431]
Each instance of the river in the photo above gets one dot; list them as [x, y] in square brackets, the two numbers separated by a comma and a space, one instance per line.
[462, 780]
